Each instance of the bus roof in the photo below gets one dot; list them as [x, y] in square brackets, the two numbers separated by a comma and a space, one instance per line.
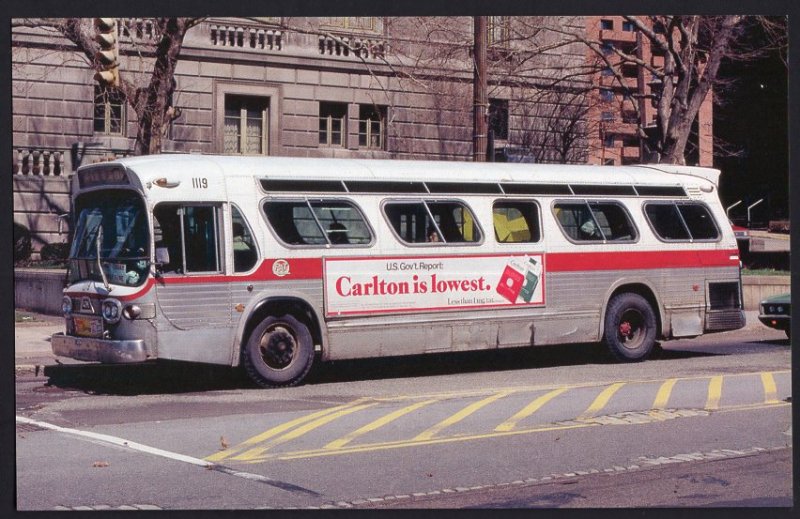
[192, 165]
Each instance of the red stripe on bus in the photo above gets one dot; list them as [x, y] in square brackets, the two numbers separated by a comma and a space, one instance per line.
[269, 270]
[589, 261]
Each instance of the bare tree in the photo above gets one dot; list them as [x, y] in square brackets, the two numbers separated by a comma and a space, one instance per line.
[693, 49]
[149, 95]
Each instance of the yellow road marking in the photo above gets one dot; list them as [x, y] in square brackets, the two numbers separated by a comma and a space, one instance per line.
[601, 401]
[714, 393]
[529, 409]
[433, 431]
[432, 441]
[258, 452]
[278, 429]
[380, 422]
[664, 392]
[315, 453]
[770, 390]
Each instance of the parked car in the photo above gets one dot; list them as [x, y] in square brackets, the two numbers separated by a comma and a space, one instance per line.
[776, 312]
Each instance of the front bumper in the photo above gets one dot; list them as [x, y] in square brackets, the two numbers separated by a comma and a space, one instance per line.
[100, 350]
[779, 322]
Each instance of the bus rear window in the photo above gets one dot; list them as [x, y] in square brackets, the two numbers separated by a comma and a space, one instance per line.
[681, 221]
[318, 222]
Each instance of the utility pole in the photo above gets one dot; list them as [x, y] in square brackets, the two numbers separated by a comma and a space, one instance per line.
[480, 102]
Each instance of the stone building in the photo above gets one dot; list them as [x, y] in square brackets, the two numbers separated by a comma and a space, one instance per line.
[360, 87]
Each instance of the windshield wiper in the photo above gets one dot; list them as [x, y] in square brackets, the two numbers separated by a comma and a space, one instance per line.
[98, 239]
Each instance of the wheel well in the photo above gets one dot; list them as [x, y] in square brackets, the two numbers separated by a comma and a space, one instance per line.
[297, 308]
[647, 293]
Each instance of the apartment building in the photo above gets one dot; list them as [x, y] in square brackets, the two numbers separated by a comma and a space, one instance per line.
[619, 107]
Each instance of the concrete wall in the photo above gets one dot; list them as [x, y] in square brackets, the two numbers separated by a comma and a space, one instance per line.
[41, 290]
[758, 288]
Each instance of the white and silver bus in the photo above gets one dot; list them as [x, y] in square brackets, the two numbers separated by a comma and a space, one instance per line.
[276, 263]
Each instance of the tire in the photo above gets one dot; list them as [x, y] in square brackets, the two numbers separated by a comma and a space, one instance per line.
[279, 352]
[630, 327]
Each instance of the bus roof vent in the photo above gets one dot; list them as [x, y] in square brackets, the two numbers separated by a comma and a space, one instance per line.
[694, 192]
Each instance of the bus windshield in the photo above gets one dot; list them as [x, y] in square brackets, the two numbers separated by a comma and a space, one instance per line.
[111, 224]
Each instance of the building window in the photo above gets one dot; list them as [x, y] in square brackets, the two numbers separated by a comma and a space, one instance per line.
[109, 111]
[371, 126]
[608, 162]
[353, 23]
[499, 30]
[498, 118]
[607, 116]
[607, 25]
[332, 128]
[608, 140]
[606, 95]
[246, 125]
[607, 48]
[630, 71]
[628, 26]
[607, 71]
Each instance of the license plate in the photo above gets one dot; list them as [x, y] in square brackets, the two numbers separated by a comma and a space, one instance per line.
[88, 326]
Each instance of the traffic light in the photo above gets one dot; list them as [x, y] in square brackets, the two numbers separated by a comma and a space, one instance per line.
[107, 58]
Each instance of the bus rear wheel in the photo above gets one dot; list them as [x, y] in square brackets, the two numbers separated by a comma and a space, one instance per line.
[279, 352]
[630, 327]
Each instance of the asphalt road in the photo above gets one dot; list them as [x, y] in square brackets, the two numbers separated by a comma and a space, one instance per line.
[705, 423]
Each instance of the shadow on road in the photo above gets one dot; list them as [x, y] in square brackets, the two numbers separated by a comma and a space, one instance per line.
[166, 377]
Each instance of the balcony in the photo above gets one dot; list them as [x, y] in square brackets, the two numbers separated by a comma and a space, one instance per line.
[630, 152]
[618, 36]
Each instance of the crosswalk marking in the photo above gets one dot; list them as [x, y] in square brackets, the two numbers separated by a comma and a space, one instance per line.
[714, 393]
[377, 424]
[664, 392]
[278, 429]
[259, 451]
[601, 401]
[770, 390]
[340, 439]
[528, 410]
[472, 408]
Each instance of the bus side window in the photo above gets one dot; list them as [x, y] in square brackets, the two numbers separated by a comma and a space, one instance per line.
[190, 234]
[516, 222]
[167, 227]
[682, 221]
[666, 221]
[614, 221]
[700, 222]
[245, 253]
[577, 222]
[318, 222]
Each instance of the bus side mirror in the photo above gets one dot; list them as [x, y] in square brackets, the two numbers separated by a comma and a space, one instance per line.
[162, 256]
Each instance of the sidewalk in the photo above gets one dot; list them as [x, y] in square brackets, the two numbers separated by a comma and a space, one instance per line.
[32, 350]
[32, 343]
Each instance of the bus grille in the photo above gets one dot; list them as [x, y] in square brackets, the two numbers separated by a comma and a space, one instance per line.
[724, 296]
[725, 320]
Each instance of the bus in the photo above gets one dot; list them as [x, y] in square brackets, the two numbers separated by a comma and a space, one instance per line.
[272, 264]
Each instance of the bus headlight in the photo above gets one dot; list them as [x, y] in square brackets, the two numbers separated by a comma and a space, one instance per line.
[112, 310]
[66, 305]
[132, 312]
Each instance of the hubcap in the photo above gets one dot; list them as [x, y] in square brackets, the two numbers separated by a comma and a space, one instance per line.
[277, 347]
[632, 329]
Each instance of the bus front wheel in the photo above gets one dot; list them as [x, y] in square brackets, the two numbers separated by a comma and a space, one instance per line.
[279, 352]
[630, 327]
